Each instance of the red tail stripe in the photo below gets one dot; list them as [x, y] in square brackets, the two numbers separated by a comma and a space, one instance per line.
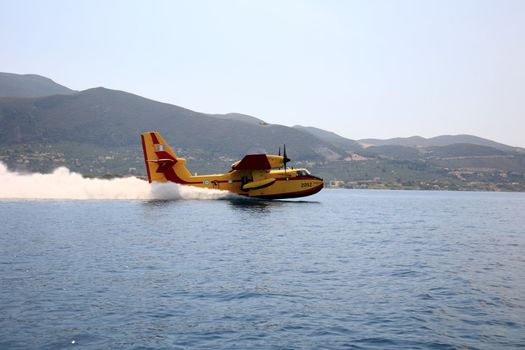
[154, 138]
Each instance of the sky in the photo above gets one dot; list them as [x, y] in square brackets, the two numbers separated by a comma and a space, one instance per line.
[363, 69]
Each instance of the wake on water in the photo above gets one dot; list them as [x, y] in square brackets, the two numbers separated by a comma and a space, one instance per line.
[64, 184]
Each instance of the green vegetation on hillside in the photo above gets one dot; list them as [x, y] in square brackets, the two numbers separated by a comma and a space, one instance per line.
[97, 133]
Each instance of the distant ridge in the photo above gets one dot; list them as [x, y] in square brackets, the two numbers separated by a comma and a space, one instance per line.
[439, 141]
[240, 117]
[30, 85]
[332, 137]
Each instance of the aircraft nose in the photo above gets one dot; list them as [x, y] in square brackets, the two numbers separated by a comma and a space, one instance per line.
[318, 182]
[318, 185]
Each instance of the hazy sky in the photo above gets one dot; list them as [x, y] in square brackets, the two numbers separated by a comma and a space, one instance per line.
[359, 68]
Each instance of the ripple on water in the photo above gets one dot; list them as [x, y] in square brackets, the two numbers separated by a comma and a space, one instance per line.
[350, 270]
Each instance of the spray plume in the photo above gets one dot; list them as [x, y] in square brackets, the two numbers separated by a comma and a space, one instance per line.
[64, 184]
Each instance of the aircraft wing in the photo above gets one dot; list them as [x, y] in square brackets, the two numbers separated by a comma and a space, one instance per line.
[253, 162]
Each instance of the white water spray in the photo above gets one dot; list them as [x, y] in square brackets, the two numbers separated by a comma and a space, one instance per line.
[64, 184]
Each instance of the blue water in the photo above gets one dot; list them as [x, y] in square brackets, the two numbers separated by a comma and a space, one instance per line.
[345, 269]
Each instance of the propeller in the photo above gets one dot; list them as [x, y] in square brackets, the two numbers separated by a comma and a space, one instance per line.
[285, 158]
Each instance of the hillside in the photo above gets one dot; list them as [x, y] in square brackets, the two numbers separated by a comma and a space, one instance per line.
[30, 85]
[439, 141]
[109, 119]
[96, 132]
[463, 150]
[240, 117]
[331, 137]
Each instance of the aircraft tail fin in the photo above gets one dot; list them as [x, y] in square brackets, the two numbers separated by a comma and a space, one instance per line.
[162, 164]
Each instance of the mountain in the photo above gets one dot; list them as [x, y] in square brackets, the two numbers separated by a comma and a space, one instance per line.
[30, 85]
[110, 118]
[392, 152]
[331, 137]
[413, 141]
[240, 117]
[463, 150]
[438, 141]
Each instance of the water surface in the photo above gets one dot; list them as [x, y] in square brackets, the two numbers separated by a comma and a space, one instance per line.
[344, 269]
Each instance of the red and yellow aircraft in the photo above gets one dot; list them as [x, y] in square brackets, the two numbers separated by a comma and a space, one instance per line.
[252, 176]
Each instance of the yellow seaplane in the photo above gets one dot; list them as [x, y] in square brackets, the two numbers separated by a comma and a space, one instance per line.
[256, 175]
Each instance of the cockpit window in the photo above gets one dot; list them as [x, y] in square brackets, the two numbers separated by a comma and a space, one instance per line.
[302, 172]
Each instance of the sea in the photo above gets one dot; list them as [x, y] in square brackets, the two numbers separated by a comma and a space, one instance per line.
[343, 269]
